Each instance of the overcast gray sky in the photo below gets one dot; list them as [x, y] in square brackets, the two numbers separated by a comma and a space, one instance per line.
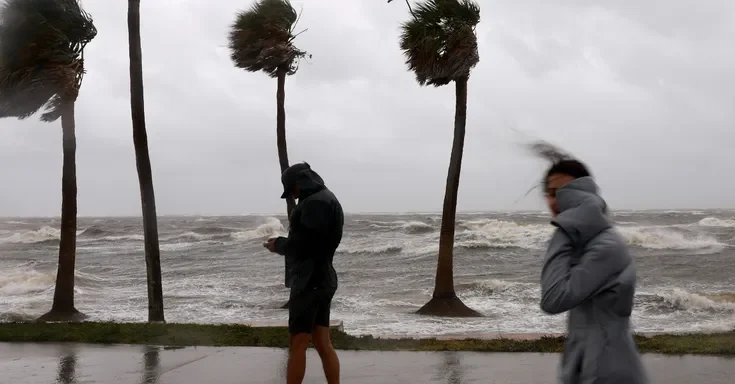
[641, 91]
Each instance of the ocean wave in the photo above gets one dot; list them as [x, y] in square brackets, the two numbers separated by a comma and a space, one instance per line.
[18, 282]
[626, 223]
[122, 238]
[657, 300]
[92, 231]
[191, 236]
[411, 236]
[677, 299]
[213, 230]
[21, 282]
[491, 233]
[369, 249]
[717, 223]
[669, 238]
[49, 235]
[501, 234]
[502, 287]
[409, 227]
[188, 245]
[16, 317]
[272, 227]
[41, 235]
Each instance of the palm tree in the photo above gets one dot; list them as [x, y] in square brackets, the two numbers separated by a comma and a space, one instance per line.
[440, 46]
[42, 66]
[261, 39]
[143, 162]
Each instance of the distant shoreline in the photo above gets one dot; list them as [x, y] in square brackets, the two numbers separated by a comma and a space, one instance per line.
[281, 214]
[181, 335]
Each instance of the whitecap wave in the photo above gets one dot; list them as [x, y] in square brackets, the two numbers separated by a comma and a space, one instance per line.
[44, 234]
[350, 249]
[663, 238]
[501, 234]
[41, 235]
[409, 227]
[510, 289]
[20, 282]
[677, 299]
[491, 233]
[190, 236]
[123, 238]
[717, 223]
[271, 228]
[25, 281]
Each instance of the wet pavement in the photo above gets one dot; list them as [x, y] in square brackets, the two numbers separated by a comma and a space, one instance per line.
[82, 364]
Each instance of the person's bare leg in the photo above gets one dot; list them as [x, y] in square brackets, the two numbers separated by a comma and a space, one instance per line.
[297, 358]
[330, 362]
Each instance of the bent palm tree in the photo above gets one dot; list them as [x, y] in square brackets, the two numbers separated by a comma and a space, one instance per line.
[143, 164]
[42, 65]
[261, 39]
[440, 46]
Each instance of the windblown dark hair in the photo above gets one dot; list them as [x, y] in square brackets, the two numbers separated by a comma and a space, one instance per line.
[573, 168]
[561, 161]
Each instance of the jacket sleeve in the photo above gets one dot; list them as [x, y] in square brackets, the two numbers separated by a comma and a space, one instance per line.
[564, 284]
[308, 237]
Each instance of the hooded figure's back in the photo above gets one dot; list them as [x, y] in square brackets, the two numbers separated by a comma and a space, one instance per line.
[589, 272]
[315, 231]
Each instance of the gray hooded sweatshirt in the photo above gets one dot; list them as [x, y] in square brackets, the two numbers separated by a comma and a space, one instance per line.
[589, 272]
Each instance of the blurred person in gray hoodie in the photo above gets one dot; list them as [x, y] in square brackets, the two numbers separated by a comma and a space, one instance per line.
[589, 272]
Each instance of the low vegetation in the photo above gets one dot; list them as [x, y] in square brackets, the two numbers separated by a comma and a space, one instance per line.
[245, 336]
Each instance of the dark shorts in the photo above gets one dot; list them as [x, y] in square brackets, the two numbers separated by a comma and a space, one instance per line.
[309, 308]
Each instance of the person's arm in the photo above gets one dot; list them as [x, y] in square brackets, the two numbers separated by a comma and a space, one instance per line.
[564, 286]
[311, 232]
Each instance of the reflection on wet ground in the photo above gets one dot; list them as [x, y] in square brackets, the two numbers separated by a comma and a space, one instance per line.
[67, 368]
[151, 362]
[78, 364]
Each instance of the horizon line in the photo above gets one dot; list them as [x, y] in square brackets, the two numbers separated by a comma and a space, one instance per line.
[376, 213]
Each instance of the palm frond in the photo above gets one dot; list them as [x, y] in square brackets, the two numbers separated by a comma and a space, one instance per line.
[262, 38]
[408, 3]
[439, 42]
[41, 55]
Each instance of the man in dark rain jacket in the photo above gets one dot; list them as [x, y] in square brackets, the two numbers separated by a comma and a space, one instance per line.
[314, 234]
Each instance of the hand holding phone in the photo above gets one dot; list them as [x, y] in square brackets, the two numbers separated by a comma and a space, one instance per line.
[270, 244]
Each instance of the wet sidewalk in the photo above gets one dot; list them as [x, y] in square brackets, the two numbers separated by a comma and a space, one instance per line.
[83, 364]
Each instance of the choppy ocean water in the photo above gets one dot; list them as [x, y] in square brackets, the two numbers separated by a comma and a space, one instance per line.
[215, 270]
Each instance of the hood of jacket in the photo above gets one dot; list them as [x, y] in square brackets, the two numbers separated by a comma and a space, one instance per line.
[301, 175]
[582, 211]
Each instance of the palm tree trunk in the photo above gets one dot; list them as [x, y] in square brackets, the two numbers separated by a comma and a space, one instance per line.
[63, 308]
[143, 163]
[444, 301]
[281, 131]
[282, 147]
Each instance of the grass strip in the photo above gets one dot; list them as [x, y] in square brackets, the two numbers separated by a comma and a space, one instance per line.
[179, 335]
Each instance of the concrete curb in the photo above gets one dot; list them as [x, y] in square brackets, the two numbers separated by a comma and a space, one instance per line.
[336, 324]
